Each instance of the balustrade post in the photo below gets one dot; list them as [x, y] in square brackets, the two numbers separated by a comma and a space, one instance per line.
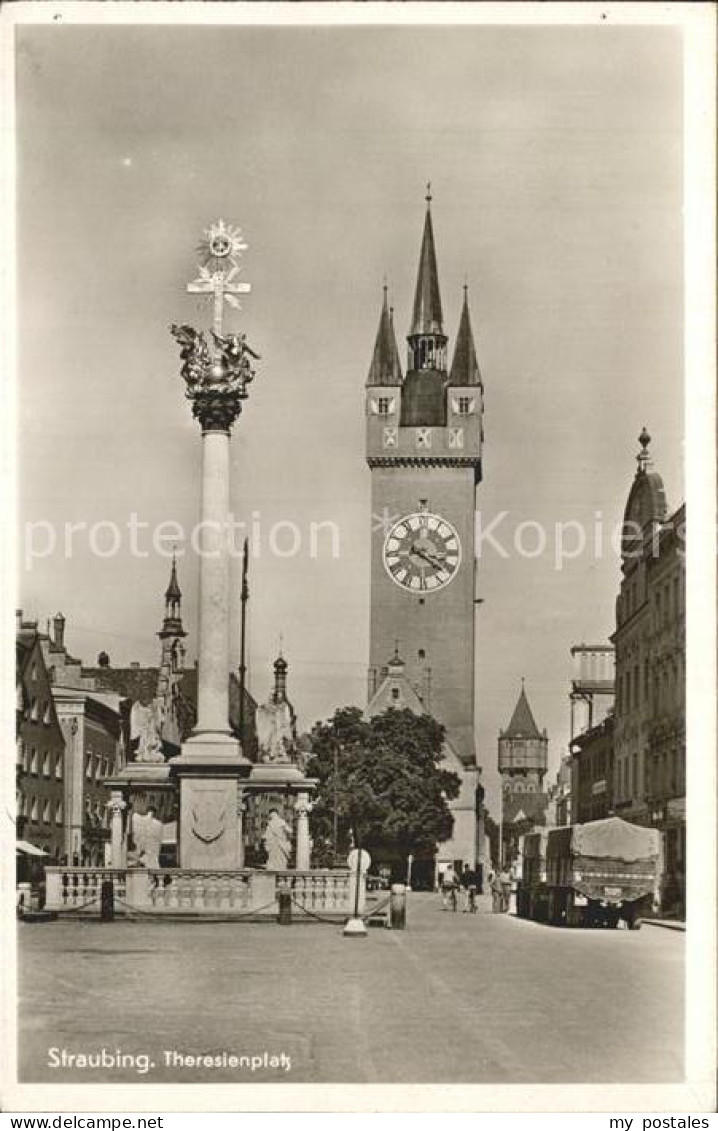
[303, 847]
[241, 809]
[117, 805]
[53, 889]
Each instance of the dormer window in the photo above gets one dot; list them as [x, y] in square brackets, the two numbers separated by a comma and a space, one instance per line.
[463, 406]
[383, 406]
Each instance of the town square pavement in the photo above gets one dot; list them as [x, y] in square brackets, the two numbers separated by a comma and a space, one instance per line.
[454, 998]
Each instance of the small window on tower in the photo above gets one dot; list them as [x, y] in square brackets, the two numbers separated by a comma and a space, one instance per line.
[422, 654]
[395, 692]
[463, 406]
[385, 406]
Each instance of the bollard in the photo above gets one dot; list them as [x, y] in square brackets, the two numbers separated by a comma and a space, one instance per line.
[284, 899]
[107, 901]
[397, 907]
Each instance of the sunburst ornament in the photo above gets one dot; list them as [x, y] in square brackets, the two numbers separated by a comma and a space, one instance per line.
[221, 246]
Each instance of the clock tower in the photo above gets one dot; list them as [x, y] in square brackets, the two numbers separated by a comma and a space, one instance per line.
[423, 445]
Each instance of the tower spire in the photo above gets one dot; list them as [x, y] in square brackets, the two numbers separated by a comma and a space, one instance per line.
[385, 368]
[465, 367]
[172, 624]
[428, 317]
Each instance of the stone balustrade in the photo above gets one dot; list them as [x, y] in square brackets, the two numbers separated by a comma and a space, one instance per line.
[197, 892]
[78, 889]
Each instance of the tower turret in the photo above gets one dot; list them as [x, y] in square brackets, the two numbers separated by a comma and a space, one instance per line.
[385, 368]
[171, 635]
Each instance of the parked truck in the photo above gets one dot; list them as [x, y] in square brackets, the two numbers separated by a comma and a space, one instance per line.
[591, 875]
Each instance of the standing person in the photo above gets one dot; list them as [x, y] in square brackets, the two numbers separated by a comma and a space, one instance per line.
[496, 894]
[467, 882]
[449, 884]
[505, 881]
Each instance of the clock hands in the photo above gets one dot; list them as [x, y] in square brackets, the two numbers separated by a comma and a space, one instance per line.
[435, 559]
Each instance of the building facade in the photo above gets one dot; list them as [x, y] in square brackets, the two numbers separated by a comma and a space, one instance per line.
[40, 749]
[649, 743]
[592, 773]
[424, 438]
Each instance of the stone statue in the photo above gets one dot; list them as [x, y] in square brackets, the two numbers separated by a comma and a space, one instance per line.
[147, 835]
[277, 841]
[148, 720]
[233, 351]
[194, 353]
[275, 732]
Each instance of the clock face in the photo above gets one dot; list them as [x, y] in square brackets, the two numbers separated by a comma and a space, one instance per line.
[422, 552]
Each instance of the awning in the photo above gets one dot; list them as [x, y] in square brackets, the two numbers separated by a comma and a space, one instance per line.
[29, 849]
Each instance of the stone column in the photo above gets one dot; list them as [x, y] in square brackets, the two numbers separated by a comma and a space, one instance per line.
[211, 760]
[303, 848]
[213, 688]
[117, 805]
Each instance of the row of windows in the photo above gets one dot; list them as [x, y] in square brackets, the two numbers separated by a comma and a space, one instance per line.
[461, 406]
[668, 602]
[626, 778]
[46, 810]
[666, 774]
[97, 767]
[661, 690]
[39, 710]
[45, 764]
[43, 811]
[40, 763]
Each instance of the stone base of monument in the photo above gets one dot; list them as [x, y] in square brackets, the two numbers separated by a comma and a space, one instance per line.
[355, 928]
[208, 770]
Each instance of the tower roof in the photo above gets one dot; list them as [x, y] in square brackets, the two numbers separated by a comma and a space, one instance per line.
[465, 367]
[174, 593]
[523, 724]
[385, 368]
[427, 318]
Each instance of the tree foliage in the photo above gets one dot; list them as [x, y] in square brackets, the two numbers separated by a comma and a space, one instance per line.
[384, 778]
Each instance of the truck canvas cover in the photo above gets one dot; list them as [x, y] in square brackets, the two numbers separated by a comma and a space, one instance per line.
[610, 859]
[615, 838]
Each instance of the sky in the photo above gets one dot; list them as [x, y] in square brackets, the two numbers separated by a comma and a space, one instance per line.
[555, 158]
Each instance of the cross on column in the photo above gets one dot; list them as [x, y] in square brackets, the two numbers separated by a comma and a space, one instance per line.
[221, 287]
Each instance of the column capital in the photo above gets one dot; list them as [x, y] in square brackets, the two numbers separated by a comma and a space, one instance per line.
[117, 803]
[303, 804]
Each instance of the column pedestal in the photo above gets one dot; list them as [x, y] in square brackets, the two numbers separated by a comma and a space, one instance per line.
[209, 831]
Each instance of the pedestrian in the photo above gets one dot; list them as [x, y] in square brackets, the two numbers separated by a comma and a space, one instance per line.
[496, 894]
[467, 882]
[505, 881]
[449, 884]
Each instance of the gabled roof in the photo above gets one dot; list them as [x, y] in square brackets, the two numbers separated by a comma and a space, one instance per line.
[465, 367]
[428, 318]
[385, 368]
[523, 724]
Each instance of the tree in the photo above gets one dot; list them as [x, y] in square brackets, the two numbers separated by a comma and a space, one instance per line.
[381, 781]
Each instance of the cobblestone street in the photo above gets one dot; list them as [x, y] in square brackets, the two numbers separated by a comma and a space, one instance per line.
[454, 998]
